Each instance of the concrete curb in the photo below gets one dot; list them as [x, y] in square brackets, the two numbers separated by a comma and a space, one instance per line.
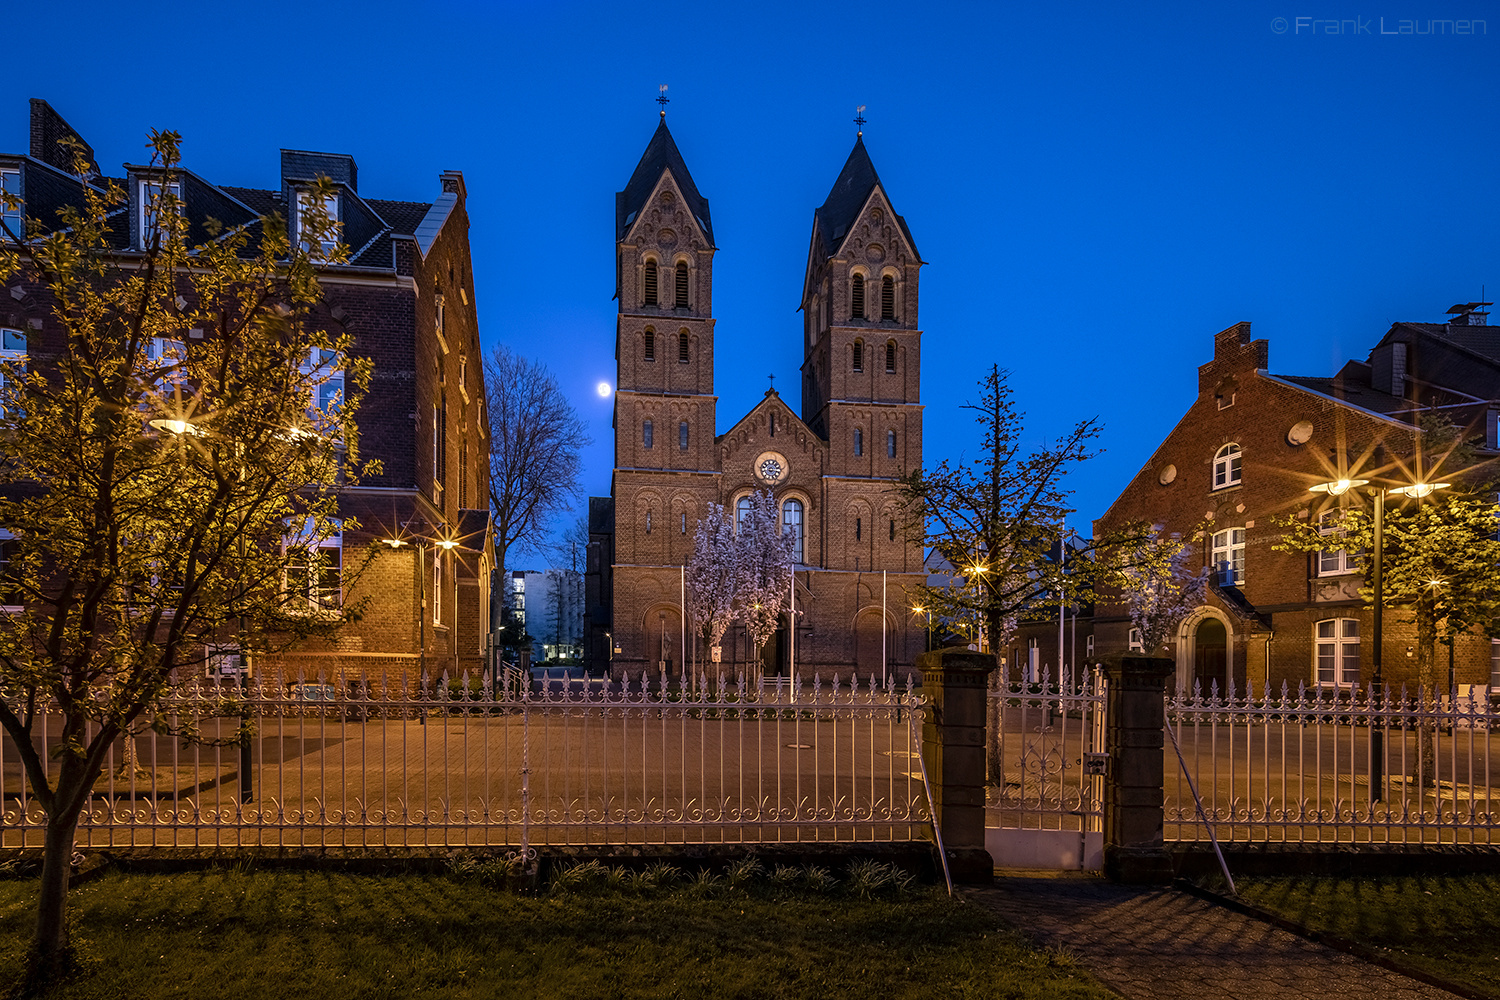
[1363, 952]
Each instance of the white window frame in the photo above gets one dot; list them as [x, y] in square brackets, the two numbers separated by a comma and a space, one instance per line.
[1132, 641]
[793, 522]
[13, 348]
[322, 247]
[1227, 557]
[1334, 562]
[324, 372]
[312, 596]
[1227, 471]
[1334, 649]
[1088, 647]
[147, 190]
[15, 218]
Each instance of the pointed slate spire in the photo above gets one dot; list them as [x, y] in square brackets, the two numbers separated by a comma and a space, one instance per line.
[849, 194]
[661, 154]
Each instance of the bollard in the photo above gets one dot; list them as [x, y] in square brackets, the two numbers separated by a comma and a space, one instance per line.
[1135, 739]
[955, 682]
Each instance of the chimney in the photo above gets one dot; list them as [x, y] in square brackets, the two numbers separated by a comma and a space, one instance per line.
[1469, 314]
[48, 129]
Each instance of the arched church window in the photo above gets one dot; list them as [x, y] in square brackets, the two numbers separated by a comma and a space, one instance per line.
[890, 357]
[859, 441]
[887, 297]
[791, 523]
[890, 444]
[682, 435]
[741, 511]
[857, 298]
[682, 347]
[682, 285]
[646, 434]
[858, 528]
[650, 344]
[893, 529]
[648, 294]
[859, 355]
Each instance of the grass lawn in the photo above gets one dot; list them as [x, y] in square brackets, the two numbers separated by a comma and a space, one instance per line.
[1445, 925]
[329, 935]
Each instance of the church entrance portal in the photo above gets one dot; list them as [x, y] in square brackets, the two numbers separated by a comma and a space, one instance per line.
[1210, 654]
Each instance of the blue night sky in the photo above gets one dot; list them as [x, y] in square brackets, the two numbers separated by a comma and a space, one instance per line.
[1097, 192]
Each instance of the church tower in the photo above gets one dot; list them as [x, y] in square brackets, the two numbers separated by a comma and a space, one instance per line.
[862, 365]
[665, 456]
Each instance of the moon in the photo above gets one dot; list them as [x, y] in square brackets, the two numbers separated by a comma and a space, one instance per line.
[604, 390]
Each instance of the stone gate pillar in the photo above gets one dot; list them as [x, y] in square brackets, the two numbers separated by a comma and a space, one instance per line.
[1135, 738]
[955, 682]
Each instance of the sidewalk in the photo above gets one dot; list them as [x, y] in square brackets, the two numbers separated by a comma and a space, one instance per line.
[1151, 942]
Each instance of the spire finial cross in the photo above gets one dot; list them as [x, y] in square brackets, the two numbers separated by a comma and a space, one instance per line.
[773, 382]
[859, 119]
[663, 100]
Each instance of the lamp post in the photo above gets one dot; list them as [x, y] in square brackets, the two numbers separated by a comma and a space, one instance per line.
[1418, 491]
[917, 608]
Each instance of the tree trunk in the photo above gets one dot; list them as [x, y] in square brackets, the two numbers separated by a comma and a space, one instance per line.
[51, 954]
[1427, 697]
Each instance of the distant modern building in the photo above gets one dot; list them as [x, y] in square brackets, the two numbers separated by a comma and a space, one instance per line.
[831, 465]
[549, 605]
[406, 295]
[1245, 453]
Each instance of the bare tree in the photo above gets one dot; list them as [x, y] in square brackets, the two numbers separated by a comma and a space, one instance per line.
[534, 460]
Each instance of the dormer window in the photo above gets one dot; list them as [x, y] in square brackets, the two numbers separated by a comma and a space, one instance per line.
[682, 285]
[857, 298]
[648, 285]
[319, 244]
[156, 199]
[887, 297]
[11, 215]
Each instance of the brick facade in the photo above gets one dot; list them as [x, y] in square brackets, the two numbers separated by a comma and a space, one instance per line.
[423, 418]
[1292, 433]
[670, 464]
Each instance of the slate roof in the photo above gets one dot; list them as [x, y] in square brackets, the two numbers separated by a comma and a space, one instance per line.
[1481, 340]
[849, 194]
[1352, 392]
[402, 216]
[661, 154]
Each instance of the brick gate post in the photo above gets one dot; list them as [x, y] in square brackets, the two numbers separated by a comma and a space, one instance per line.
[1135, 738]
[955, 682]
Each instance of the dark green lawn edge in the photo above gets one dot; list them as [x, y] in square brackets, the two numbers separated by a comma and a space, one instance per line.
[1339, 943]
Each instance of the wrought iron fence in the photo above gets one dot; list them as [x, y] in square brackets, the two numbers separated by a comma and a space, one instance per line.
[456, 762]
[1335, 765]
[1045, 754]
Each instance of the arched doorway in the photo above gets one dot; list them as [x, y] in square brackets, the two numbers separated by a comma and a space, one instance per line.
[1210, 655]
[867, 643]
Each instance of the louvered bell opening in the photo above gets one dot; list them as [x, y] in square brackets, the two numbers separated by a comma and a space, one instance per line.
[648, 296]
[857, 307]
[890, 358]
[859, 355]
[650, 345]
[887, 298]
[682, 286]
[682, 348]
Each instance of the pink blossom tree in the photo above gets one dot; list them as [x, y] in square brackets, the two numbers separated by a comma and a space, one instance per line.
[763, 583]
[712, 573]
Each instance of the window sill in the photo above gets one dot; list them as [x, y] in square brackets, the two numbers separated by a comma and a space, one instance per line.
[1226, 487]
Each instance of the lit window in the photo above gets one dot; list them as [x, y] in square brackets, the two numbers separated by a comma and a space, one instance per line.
[859, 441]
[314, 567]
[1333, 562]
[890, 357]
[682, 285]
[682, 348]
[648, 436]
[650, 344]
[1227, 466]
[890, 444]
[648, 294]
[437, 589]
[322, 242]
[1338, 651]
[857, 299]
[859, 355]
[791, 523]
[441, 320]
[13, 368]
[325, 380]
[12, 216]
[1229, 556]
[155, 199]
[682, 435]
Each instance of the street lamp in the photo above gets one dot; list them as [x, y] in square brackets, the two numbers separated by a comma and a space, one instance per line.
[1417, 490]
[918, 609]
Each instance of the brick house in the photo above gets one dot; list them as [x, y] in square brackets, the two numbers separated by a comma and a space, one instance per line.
[406, 296]
[1245, 453]
[830, 466]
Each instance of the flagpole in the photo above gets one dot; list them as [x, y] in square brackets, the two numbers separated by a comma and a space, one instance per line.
[791, 631]
[882, 627]
[682, 620]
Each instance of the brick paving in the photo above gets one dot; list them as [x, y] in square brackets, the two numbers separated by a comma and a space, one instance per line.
[1151, 942]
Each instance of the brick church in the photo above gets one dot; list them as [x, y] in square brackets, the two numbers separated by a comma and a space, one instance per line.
[831, 463]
